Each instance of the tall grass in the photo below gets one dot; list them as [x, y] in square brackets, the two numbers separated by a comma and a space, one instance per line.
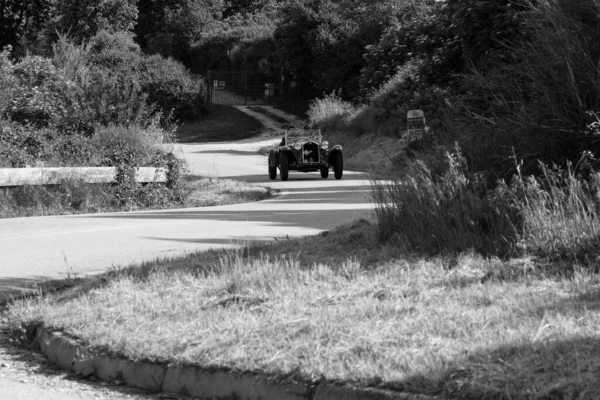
[144, 141]
[330, 112]
[535, 99]
[560, 212]
[450, 213]
[67, 198]
[554, 215]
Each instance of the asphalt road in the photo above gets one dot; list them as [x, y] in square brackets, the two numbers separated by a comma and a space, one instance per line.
[38, 249]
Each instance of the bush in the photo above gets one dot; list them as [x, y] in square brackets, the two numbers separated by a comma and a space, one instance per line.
[171, 87]
[449, 213]
[131, 144]
[330, 111]
[8, 82]
[42, 96]
[114, 51]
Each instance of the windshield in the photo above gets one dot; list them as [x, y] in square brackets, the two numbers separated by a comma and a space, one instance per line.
[303, 134]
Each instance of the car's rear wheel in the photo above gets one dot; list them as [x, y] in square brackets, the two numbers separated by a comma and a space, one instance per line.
[338, 165]
[283, 166]
[324, 172]
[272, 172]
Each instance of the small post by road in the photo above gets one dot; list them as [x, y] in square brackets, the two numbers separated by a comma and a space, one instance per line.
[415, 125]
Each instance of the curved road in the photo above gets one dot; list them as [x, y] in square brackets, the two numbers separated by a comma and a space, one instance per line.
[38, 249]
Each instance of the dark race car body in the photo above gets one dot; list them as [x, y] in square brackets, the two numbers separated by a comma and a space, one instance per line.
[304, 150]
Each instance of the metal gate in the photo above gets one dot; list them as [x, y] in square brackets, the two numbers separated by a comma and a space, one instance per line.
[243, 87]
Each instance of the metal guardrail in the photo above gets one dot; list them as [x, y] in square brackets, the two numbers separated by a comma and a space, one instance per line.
[54, 176]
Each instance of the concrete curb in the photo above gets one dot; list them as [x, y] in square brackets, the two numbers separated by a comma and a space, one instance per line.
[194, 381]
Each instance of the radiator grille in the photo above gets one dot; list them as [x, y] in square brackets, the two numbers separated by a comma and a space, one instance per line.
[310, 153]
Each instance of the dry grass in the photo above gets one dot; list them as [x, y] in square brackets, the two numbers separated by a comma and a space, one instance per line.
[75, 197]
[217, 192]
[465, 326]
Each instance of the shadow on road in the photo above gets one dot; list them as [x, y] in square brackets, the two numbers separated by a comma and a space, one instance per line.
[317, 218]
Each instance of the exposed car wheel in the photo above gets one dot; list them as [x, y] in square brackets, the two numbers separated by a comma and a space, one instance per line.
[338, 165]
[283, 166]
[272, 172]
[324, 172]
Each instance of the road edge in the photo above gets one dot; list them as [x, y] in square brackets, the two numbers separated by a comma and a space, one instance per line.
[85, 361]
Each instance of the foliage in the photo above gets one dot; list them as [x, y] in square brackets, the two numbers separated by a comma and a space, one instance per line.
[560, 209]
[539, 100]
[447, 213]
[169, 85]
[401, 43]
[8, 82]
[113, 51]
[183, 24]
[85, 18]
[333, 34]
[44, 96]
[330, 111]
[19, 18]
[445, 208]
[152, 18]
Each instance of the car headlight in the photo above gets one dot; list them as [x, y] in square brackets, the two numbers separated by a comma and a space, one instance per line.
[324, 144]
[297, 145]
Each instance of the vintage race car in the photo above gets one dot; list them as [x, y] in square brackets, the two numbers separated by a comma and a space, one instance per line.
[304, 150]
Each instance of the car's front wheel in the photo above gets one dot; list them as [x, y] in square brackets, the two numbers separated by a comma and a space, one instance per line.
[324, 172]
[283, 166]
[272, 172]
[338, 165]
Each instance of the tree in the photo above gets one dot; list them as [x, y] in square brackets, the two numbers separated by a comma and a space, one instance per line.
[82, 19]
[184, 23]
[323, 42]
[18, 18]
[152, 18]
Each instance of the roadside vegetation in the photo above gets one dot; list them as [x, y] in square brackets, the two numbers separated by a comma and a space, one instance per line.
[107, 104]
[478, 275]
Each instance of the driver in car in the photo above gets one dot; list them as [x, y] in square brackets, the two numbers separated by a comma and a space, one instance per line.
[306, 128]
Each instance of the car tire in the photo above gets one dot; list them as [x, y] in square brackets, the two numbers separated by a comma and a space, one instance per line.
[283, 166]
[272, 173]
[338, 165]
[324, 172]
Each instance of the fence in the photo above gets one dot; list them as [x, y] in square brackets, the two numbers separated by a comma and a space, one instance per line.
[54, 176]
[243, 87]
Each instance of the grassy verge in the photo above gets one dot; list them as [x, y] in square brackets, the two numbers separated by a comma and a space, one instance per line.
[80, 198]
[462, 326]
[222, 123]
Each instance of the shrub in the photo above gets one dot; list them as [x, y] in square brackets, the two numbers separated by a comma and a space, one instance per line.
[450, 213]
[170, 86]
[131, 144]
[114, 51]
[43, 96]
[8, 82]
[330, 111]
